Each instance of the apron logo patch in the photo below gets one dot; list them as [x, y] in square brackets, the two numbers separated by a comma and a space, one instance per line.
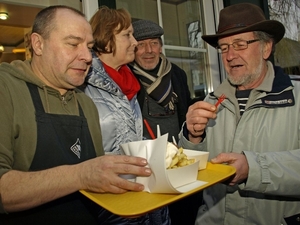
[76, 148]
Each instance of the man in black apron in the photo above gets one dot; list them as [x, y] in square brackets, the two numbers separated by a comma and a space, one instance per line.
[50, 137]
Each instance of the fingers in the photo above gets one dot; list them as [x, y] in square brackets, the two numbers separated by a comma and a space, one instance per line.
[223, 158]
[198, 116]
[237, 160]
[202, 105]
[128, 160]
[120, 185]
[101, 174]
[198, 128]
[124, 164]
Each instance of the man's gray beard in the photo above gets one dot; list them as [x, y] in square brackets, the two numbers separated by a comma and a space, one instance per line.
[246, 79]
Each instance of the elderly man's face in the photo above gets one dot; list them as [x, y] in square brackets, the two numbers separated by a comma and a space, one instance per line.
[245, 68]
[147, 53]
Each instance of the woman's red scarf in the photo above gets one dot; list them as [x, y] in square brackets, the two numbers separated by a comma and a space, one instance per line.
[125, 79]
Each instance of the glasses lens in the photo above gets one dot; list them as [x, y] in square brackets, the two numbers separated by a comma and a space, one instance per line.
[239, 45]
[222, 48]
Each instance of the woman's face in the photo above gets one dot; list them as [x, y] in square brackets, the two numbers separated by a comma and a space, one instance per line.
[125, 46]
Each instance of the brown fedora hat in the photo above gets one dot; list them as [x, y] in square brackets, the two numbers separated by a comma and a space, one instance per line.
[244, 17]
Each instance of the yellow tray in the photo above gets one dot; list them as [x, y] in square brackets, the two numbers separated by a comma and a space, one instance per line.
[133, 204]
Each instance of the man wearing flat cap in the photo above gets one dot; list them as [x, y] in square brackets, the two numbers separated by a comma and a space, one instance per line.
[255, 129]
[164, 94]
[164, 99]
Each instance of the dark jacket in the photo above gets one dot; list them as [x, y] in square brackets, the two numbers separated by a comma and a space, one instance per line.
[180, 87]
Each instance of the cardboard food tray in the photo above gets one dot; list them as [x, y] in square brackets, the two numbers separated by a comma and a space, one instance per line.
[133, 204]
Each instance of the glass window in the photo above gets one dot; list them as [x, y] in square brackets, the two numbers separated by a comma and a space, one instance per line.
[194, 68]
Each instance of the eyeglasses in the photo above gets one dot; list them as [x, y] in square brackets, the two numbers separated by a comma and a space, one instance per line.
[167, 112]
[237, 45]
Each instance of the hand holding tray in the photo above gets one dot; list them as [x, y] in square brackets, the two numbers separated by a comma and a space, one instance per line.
[133, 204]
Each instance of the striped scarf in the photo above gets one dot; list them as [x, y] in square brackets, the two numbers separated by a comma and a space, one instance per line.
[157, 82]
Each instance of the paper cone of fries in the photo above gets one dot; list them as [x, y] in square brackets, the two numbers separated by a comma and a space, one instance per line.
[162, 180]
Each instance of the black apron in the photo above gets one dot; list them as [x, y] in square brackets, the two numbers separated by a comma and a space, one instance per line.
[61, 140]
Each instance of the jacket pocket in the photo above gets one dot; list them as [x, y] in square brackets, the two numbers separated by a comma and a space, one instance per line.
[293, 220]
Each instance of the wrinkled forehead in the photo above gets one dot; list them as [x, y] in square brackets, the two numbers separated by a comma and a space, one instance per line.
[241, 36]
[65, 18]
[70, 25]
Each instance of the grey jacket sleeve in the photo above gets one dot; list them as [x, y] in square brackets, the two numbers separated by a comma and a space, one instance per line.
[186, 144]
[274, 173]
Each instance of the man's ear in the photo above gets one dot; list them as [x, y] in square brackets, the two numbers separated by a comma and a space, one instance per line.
[36, 43]
[267, 49]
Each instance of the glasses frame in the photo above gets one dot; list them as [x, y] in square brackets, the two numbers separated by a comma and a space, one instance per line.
[167, 112]
[236, 46]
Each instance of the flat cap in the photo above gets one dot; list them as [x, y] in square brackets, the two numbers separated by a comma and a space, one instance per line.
[146, 29]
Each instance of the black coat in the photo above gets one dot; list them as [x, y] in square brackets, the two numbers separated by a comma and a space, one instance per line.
[180, 87]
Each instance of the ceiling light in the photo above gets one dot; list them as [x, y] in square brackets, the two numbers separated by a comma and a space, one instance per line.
[1, 48]
[3, 15]
[18, 50]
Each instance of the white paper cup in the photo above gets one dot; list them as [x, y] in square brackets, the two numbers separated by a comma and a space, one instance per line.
[202, 157]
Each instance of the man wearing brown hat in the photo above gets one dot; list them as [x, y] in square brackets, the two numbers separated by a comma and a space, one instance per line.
[164, 98]
[255, 129]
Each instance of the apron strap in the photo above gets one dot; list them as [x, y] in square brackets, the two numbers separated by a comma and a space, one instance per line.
[35, 97]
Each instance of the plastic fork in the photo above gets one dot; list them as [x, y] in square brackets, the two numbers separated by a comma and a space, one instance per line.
[149, 129]
[158, 131]
[220, 99]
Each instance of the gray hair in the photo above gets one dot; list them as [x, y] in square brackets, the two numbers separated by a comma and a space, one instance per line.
[265, 37]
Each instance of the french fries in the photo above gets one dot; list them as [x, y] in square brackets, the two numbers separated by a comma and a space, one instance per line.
[180, 160]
